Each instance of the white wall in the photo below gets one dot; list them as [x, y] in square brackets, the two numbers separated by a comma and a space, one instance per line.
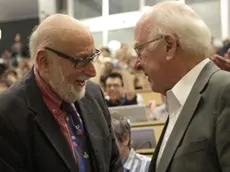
[46, 8]
[209, 11]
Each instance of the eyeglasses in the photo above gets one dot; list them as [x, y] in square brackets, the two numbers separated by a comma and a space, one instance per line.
[78, 61]
[138, 48]
[113, 85]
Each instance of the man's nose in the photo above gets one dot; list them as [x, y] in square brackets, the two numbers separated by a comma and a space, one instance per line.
[138, 65]
[90, 70]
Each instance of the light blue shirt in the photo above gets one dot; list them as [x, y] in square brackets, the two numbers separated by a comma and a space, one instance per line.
[136, 162]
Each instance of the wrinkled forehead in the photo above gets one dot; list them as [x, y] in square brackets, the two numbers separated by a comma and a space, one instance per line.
[76, 43]
[142, 29]
[73, 41]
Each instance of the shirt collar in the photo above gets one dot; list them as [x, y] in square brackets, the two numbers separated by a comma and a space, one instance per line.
[47, 92]
[130, 159]
[178, 95]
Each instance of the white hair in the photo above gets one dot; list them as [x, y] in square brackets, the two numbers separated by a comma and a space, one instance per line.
[177, 18]
[40, 37]
[33, 43]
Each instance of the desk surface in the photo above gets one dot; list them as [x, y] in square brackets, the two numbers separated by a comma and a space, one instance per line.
[145, 151]
[149, 123]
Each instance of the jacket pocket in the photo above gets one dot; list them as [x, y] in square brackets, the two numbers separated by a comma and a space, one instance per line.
[196, 146]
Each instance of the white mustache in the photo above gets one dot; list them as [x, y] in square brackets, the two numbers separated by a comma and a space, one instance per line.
[83, 78]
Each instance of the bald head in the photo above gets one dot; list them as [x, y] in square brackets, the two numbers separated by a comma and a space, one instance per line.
[61, 31]
[63, 51]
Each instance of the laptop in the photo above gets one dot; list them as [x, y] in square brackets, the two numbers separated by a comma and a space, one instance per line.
[143, 138]
[134, 113]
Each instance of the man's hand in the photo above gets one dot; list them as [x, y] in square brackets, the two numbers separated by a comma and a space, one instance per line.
[222, 62]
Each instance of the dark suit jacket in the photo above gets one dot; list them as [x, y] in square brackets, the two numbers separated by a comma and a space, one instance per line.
[31, 140]
[200, 140]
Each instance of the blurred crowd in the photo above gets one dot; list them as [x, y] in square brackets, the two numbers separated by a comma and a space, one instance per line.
[14, 63]
[116, 71]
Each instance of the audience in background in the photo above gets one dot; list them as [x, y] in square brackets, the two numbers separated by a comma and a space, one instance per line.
[222, 62]
[106, 69]
[158, 112]
[132, 161]
[17, 47]
[7, 57]
[123, 56]
[105, 52]
[4, 85]
[11, 76]
[115, 93]
[14, 64]
[225, 48]
[3, 68]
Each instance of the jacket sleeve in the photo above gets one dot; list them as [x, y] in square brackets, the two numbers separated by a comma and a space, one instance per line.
[115, 161]
[11, 151]
[223, 130]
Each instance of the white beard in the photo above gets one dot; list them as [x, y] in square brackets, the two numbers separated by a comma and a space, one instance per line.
[65, 91]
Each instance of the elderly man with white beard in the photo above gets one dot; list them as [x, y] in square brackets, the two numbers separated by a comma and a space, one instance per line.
[54, 119]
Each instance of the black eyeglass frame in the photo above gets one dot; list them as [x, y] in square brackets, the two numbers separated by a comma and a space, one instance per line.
[78, 61]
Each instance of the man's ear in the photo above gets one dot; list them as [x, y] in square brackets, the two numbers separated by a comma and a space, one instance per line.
[42, 60]
[170, 46]
[125, 139]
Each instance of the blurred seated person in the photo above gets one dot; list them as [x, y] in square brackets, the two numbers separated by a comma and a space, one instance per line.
[3, 67]
[224, 49]
[137, 84]
[157, 112]
[4, 85]
[222, 62]
[11, 76]
[17, 47]
[106, 69]
[24, 67]
[123, 55]
[115, 93]
[6, 55]
[132, 161]
[105, 52]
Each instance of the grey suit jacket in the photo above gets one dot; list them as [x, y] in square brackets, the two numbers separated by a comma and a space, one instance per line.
[31, 139]
[200, 140]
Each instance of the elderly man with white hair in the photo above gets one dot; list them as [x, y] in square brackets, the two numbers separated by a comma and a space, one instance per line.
[54, 119]
[174, 47]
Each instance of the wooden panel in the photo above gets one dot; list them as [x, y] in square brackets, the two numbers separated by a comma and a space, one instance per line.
[148, 96]
[145, 124]
[157, 131]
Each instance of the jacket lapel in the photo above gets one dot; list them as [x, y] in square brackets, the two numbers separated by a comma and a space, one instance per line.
[84, 107]
[46, 121]
[185, 116]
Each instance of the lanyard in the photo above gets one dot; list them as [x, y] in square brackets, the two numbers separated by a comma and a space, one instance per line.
[126, 170]
[77, 126]
[76, 131]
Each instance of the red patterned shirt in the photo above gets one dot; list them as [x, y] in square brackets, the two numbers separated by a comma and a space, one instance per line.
[53, 103]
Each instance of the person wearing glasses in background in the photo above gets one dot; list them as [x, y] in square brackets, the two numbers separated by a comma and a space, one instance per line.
[174, 47]
[114, 86]
[54, 118]
[132, 161]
